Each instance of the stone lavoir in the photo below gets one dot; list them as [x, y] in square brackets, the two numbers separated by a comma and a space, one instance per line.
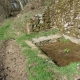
[61, 51]
[65, 16]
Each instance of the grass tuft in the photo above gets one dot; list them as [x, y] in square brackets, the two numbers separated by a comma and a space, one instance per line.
[64, 40]
[3, 30]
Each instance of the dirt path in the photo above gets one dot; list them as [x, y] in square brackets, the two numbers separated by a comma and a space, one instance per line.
[12, 63]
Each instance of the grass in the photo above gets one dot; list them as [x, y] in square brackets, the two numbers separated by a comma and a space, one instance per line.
[68, 71]
[67, 50]
[37, 70]
[36, 35]
[3, 30]
[63, 39]
[7, 31]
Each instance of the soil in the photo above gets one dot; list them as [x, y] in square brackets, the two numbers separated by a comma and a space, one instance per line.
[62, 53]
[12, 63]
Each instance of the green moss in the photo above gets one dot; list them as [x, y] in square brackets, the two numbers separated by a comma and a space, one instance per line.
[67, 50]
[3, 30]
[64, 40]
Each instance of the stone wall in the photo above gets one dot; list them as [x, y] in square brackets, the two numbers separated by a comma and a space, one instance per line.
[61, 14]
[39, 22]
[65, 15]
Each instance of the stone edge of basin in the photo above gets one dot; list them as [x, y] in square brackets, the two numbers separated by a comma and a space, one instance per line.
[72, 39]
[56, 36]
[50, 37]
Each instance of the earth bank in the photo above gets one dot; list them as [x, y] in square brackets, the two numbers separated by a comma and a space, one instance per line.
[12, 63]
